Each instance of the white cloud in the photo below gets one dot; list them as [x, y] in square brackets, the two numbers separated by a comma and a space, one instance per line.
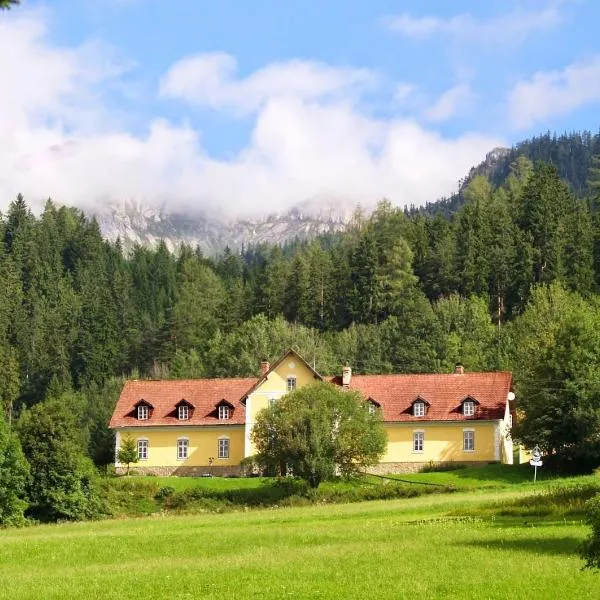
[309, 136]
[210, 80]
[404, 91]
[451, 102]
[508, 28]
[550, 93]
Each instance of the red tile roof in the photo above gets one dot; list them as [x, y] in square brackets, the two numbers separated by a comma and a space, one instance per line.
[395, 394]
[444, 393]
[203, 394]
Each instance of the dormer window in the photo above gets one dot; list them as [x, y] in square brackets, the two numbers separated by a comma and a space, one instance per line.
[469, 408]
[372, 406]
[291, 384]
[224, 412]
[142, 412]
[419, 409]
[183, 412]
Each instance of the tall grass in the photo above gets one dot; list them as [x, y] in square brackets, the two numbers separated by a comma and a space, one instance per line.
[394, 549]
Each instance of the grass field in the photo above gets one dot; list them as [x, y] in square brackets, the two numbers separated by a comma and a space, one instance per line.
[509, 540]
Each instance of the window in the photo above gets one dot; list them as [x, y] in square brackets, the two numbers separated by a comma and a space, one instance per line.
[510, 420]
[224, 411]
[372, 408]
[223, 448]
[273, 401]
[182, 449]
[468, 440]
[142, 412]
[419, 409]
[291, 384]
[418, 439]
[142, 449]
[183, 412]
[468, 408]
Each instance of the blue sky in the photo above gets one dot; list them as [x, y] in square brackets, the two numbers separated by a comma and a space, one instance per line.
[242, 107]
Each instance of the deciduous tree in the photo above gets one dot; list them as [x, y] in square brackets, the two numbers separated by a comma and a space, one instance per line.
[318, 431]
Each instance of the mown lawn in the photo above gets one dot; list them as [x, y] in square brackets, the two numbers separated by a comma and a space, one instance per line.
[460, 545]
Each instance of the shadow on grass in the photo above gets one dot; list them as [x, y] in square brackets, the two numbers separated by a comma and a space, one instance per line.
[497, 473]
[556, 546]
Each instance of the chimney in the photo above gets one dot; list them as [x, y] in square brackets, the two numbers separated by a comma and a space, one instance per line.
[459, 369]
[346, 375]
[264, 366]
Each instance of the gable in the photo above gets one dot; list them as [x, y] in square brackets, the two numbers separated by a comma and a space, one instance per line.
[292, 366]
[274, 382]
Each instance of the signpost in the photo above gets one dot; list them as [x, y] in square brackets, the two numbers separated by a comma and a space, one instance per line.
[536, 461]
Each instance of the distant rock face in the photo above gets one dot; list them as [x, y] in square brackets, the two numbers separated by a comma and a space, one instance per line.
[487, 168]
[134, 224]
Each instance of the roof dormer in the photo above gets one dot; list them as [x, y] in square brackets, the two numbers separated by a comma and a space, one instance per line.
[372, 405]
[468, 407]
[184, 410]
[224, 410]
[420, 406]
[142, 410]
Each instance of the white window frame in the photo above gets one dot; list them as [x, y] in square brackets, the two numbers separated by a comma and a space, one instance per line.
[143, 412]
[291, 383]
[273, 401]
[183, 444]
[142, 443]
[372, 408]
[183, 412]
[419, 408]
[223, 448]
[471, 411]
[224, 412]
[469, 434]
[418, 441]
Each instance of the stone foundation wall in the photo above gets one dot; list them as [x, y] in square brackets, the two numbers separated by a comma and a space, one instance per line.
[392, 468]
[182, 471]
[235, 470]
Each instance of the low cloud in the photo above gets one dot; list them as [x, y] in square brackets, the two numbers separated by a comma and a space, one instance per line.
[309, 136]
[550, 93]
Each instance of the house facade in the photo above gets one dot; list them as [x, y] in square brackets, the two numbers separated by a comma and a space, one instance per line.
[192, 427]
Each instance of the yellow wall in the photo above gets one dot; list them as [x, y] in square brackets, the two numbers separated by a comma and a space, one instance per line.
[525, 455]
[203, 443]
[442, 442]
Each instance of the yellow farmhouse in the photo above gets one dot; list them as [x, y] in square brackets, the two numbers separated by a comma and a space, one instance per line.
[192, 427]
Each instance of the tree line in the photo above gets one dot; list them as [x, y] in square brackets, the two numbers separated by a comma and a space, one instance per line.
[510, 281]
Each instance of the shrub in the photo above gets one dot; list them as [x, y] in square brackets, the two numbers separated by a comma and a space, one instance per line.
[434, 467]
[164, 492]
[590, 549]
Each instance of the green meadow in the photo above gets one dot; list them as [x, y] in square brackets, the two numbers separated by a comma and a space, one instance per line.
[498, 536]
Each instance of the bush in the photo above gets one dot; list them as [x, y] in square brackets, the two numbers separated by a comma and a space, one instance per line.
[164, 492]
[433, 467]
[590, 549]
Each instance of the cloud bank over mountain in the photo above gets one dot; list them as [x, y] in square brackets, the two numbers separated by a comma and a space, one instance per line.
[83, 121]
